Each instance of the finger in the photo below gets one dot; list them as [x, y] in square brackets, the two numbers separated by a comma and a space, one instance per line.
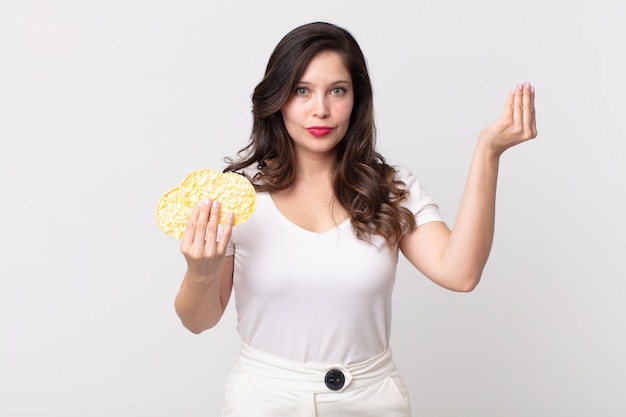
[213, 224]
[517, 106]
[190, 229]
[203, 220]
[226, 233]
[534, 128]
[508, 107]
[528, 110]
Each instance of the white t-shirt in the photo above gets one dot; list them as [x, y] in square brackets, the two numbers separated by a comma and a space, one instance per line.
[319, 297]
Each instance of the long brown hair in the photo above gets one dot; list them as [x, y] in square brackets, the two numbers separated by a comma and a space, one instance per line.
[363, 182]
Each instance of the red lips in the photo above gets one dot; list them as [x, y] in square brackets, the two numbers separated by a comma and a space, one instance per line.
[319, 131]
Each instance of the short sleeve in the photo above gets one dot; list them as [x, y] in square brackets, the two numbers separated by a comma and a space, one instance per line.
[418, 201]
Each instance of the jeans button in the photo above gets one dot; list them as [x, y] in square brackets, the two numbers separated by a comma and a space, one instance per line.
[334, 379]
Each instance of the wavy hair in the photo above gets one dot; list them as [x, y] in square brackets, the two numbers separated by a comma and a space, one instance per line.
[363, 182]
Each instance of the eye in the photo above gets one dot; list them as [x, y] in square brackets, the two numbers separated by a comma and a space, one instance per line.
[301, 91]
[338, 91]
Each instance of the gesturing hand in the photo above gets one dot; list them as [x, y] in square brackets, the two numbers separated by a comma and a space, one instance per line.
[516, 125]
[203, 252]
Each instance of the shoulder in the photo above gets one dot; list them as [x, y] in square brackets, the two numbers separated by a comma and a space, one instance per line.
[418, 199]
[405, 176]
[401, 172]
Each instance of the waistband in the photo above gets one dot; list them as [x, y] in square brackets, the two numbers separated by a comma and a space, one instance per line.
[315, 377]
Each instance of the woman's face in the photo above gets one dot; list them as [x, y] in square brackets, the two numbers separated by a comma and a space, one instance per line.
[317, 114]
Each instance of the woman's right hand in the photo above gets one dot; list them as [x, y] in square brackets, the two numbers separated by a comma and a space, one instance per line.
[203, 252]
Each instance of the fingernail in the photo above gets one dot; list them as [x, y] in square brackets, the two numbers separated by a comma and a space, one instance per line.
[520, 86]
[532, 88]
[215, 204]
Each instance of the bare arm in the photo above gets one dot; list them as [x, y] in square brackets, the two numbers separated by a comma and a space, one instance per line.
[208, 282]
[456, 258]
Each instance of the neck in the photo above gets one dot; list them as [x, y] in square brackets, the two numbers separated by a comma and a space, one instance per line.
[314, 168]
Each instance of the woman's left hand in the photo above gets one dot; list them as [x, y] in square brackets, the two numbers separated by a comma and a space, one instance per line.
[516, 125]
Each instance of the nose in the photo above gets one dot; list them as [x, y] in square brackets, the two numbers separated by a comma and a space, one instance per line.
[321, 108]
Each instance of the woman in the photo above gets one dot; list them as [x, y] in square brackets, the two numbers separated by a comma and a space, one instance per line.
[313, 269]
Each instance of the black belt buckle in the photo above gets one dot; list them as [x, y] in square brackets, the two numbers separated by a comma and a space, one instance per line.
[334, 379]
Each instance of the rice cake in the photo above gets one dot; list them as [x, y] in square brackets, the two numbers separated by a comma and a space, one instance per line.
[233, 191]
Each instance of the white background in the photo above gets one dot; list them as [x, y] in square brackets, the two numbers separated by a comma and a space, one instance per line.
[105, 105]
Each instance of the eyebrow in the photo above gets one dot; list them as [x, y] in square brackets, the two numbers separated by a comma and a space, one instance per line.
[332, 83]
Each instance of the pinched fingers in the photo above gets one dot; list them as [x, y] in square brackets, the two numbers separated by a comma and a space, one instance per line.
[524, 111]
[518, 121]
[516, 125]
